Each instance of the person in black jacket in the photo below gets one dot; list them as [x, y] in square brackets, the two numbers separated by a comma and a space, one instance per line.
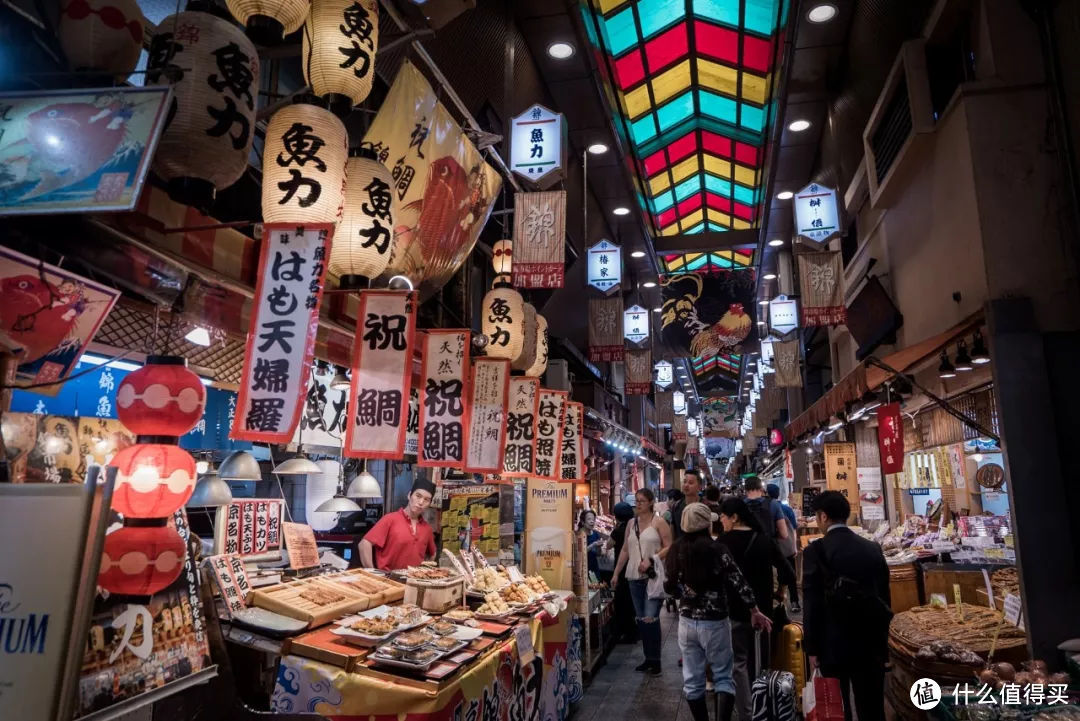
[625, 624]
[846, 609]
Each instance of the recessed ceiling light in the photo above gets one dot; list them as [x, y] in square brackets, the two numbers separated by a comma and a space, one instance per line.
[776, 242]
[648, 284]
[656, 310]
[621, 210]
[763, 301]
[598, 148]
[560, 50]
[770, 276]
[638, 254]
[822, 13]
[799, 125]
[784, 195]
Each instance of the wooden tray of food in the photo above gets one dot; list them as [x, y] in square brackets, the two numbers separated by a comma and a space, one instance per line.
[310, 600]
[379, 589]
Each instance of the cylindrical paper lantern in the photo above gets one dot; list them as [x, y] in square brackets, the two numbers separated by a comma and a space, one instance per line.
[304, 166]
[140, 561]
[268, 21]
[338, 54]
[102, 35]
[206, 144]
[527, 356]
[152, 480]
[540, 364]
[502, 256]
[365, 236]
[503, 322]
[163, 398]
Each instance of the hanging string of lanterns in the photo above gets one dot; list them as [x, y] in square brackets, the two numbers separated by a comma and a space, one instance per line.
[304, 166]
[340, 40]
[101, 35]
[364, 237]
[503, 321]
[268, 21]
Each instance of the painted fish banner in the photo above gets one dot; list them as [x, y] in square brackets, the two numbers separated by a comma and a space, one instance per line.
[704, 314]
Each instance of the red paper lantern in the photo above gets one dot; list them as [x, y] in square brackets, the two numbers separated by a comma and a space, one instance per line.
[163, 398]
[140, 561]
[152, 480]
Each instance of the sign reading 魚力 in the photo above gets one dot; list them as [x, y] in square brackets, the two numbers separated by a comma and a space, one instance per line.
[538, 145]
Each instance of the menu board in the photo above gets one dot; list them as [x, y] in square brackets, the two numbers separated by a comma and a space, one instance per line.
[300, 543]
[249, 527]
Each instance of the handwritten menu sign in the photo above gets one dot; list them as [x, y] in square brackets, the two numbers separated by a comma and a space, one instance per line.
[571, 460]
[487, 415]
[521, 415]
[412, 424]
[300, 542]
[250, 527]
[549, 434]
[443, 411]
[232, 581]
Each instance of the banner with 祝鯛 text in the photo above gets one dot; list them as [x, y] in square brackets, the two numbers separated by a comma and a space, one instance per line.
[444, 409]
[521, 427]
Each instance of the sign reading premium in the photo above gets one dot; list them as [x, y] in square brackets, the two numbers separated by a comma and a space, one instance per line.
[281, 341]
[443, 411]
[783, 314]
[539, 237]
[521, 417]
[636, 324]
[571, 461]
[605, 266]
[638, 372]
[548, 509]
[816, 214]
[487, 415]
[381, 374]
[549, 425]
[538, 145]
[606, 342]
[664, 374]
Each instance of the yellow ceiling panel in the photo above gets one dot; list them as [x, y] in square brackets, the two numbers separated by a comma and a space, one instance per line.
[671, 82]
[637, 101]
[693, 219]
[755, 88]
[722, 218]
[685, 169]
[740, 224]
[672, 229]
[659, 184]
[607, 5]
[746, 176]
[718, 167]
[718, 77]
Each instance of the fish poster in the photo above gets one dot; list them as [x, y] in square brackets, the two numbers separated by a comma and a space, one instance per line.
[48, 316]
[704, 314]
[74, 151]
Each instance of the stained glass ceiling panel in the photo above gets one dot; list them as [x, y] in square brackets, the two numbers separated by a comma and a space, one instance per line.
[727, 363]
[694, 81]
[712, 262]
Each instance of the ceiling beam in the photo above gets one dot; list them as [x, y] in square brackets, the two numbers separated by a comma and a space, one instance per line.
[705, 242]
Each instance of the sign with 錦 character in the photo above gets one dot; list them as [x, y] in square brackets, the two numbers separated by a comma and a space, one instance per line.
[638, 372]
[571, 460]
[604, 266]
[841, 473]
[605, 330]
[549, 423]
[539, 237]
[821, 280]
[679, 431]
[817, 217]
[636, 324]
[786, 364]
[538, 146]
[665, 411]
[521, 415]
[487, 415]
[443, 398]
[381, 374]
[281, 341]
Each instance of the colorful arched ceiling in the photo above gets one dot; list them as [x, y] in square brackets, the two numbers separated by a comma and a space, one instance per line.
[694, 82]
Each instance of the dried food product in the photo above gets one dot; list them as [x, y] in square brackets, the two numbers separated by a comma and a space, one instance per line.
[321, 596]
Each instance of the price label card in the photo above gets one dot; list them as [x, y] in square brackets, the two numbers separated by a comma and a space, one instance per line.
[231, 579]
[515, 574]
[523, 636]
[959, 602]
[1014, 610]
[300, 542]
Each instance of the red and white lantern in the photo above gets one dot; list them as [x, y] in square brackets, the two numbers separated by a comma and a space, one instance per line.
[141, 560]
[153, 480]
[163, 398]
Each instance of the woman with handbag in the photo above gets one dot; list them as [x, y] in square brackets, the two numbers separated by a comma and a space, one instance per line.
[646, 536]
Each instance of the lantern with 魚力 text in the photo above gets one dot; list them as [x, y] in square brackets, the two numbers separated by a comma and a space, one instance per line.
[304, 166]
[341, 38]
[527, 356]
[214, 71]
[152, 480]
[141, 560]
[502, 256]
[540, 364]
[365, 236]
[101, 35]
[503, 322]
[163, 398]
[268, 21]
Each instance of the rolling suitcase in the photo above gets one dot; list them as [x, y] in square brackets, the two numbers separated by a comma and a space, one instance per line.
[772, 693]
[789, 655]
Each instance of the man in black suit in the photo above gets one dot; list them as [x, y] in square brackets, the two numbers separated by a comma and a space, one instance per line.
[846, 609]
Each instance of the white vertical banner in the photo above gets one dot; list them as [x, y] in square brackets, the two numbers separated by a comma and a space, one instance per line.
[444, 400]
[521, 410]
[412, 424]
[487, 415]
[549, 424]
[571, 460]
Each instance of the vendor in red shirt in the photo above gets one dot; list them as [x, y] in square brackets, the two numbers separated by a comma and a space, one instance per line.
[402, 538]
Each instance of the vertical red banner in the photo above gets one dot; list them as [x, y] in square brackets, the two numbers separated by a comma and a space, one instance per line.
[571, 459]
[444, 398]
[890, 438]
[522, 410]
[549, 422]
[487, 415]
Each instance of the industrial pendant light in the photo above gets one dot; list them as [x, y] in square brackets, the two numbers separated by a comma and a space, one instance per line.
[210, 491]
[364, 485]
[946, 369]
[339, 503]
[297, 466]
[979, 354]
[240, 466]
[963, 360]
[340, 381]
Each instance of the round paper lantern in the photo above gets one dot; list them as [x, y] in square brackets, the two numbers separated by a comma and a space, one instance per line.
[540, 364]
[152, 480]
[163, 398]
[140, 561]
[503, 322]
[365, 236]
[102, 35]
[527, 356]
[502, 259]
[304, 166]
[340, 41]
[268, 21]
[214, 74]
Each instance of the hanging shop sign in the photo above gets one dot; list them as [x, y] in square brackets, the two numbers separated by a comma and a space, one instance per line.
[246, 528]
[721, 418]
[679, 430]
[539, 237]
[678, 403]
[766, 363]
[692, 426]
[339, 47]
[522, 410]
[663, 374]
[816, 213]
[549, 423]
[606, 342]
[489, 389]
[73, 151]
[840, 471]
[890, 438]
[786, 364]
[503, 322]
[636, 324]
[412, 424]
[572, 460]
[549, 508]
[605, 266]
[304, 164]
[538, 145]
[48, 316]
[665, 410]
[443, 188]
[281, 340]
[443, 411]
[704, 315]
[363, 239]
[783, 314]
[821, 277]
[381, 374]
[325, 411]
[638, 372]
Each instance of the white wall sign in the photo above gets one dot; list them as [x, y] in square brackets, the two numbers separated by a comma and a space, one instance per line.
[766, 363]
[636, 324]
[783, 314]
[665, 374]
[537, 145]
[605, 266]
[816, 214]
[678, 403]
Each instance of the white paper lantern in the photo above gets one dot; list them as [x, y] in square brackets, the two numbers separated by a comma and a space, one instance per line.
[341, 38]
[304, 165]
[502, 256]
[216, 71]
[503, 322]
[364, 237]
[102, 35]
[528, 347]
[540, 364]
[268, 21]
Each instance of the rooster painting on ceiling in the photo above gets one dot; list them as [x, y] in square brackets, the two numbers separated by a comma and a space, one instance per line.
[707, 314]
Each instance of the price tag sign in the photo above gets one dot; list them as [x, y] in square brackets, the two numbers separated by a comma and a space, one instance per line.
[523, 636]
[300, 542]
[1014, 610]
[515, 574]
[232, 581]
[958, 601]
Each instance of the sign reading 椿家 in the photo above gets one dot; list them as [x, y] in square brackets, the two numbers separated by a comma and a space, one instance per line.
[816, 214]
[522, 409]
[605, 266]
[381, 374]
[443, 412]
[571, 459]
[538, 145]
[638, 372]
[281, 341]
[539, 237]
[549, 424]
[636, 324]
[487, 415]
[605, 330]
[783, 314]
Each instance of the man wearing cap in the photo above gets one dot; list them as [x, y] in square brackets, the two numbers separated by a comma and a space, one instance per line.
[402, 538]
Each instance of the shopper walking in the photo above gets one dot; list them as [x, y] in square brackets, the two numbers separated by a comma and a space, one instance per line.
[773, 523]
[647, 536]
[756, 557]
[847, 614]
[625, 624]
[691, 490]
[790, 546]
[700, 572]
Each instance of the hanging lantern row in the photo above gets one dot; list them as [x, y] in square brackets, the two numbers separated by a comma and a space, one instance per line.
[502, 257]
[268, 21]
[364, 237]
[105, 36]
[541, 357]
[340, 40]
[503, 322]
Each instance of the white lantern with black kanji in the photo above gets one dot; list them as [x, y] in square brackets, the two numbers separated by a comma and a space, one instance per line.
[503, 322]
[528, 347]
[365, 235]
[541, 360]
[268, 21]
[214, 71]
[341, 38]
[502, 256]
[303, 165]
[101, 35]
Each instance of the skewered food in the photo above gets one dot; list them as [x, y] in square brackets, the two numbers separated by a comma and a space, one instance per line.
[321, 596]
